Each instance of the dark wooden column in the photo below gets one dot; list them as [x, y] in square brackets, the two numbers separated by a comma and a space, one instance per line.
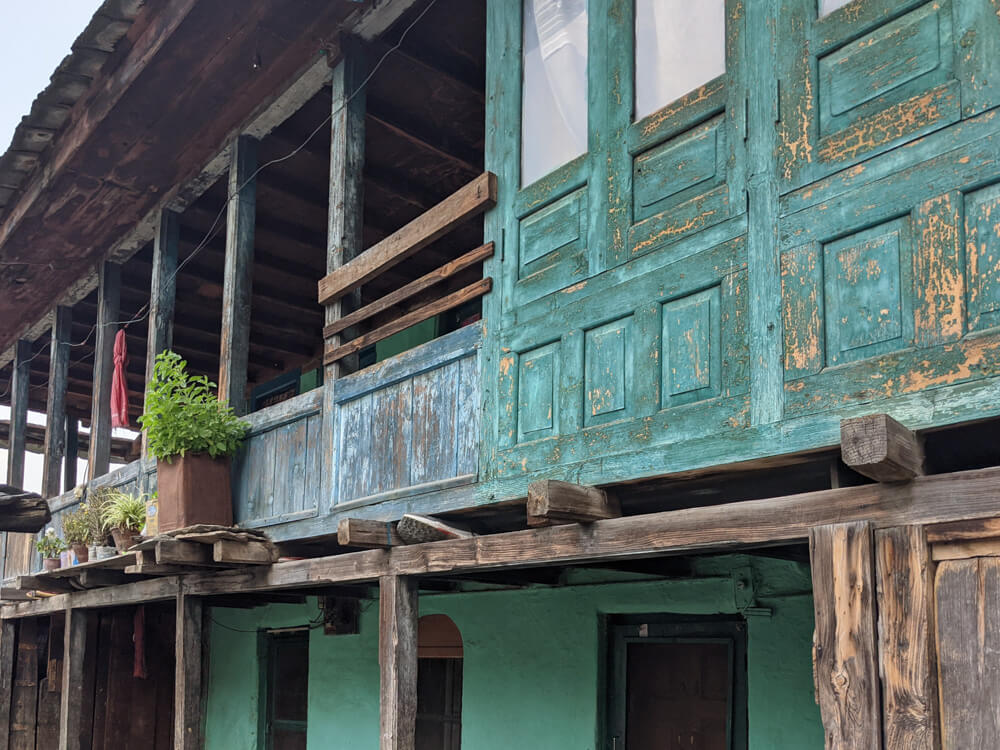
[18, 413]
[72, 452]
[162, 288]
[238, 278]
[187, 674]
[8, 638]
[397, 656]
[55, 404]
[108, 315]
[72, 697]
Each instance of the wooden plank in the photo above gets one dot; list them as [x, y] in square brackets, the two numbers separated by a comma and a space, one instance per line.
[359, 532]
[419, 315]
[960, 531]
[179, 552]
[108, 315]
[42, 583]
[397, 656]
[390, 441]
[906, 645]
[24, 710]
[187, 677]
[845, 647]
[8, 644]
[162, 287]
[22, 511]
[95, 579]
[433, 420]
[879, 447]
[231, 552]
[965, 549]
[19, 385]
[237, 286]
[55, 404]
[473, 199]
[71, 718]
[553, 501]
[414, 287]
[72, 452]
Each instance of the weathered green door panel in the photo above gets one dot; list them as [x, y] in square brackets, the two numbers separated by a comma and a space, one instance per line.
[982, 242]
[977, 32]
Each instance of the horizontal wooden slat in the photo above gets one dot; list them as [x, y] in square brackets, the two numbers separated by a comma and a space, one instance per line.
[402, 323]
[478, 196]
[414, 287]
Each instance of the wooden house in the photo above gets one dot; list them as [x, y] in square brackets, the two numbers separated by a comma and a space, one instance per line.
[688, 311]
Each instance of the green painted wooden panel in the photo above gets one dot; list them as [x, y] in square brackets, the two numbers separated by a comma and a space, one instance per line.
[608, 361]
[557, 229]
[982, 242]
[691, 348]
[537, 378]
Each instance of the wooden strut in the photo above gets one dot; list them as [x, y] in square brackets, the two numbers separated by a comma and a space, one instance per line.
[882, 449]
[552, 501]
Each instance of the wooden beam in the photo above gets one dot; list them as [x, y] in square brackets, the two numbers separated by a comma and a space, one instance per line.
[45, 584]
[72, 452]
[8, 643]
[187, 674]
[963, 531]
[473, 199]
[882, 449]
[22, 511]
[397, 656]
[72, 694]
[552, 501]
[237, 289]
[432, 141]
[24, 708]
[19, 384]
[162, 288]
[180, 552]
[449, 302]
[845, 649]
[966, 549]
[95, 579]
[55, 404]
[232, 552]
[360, 532]
[108, 312]
[906, 640]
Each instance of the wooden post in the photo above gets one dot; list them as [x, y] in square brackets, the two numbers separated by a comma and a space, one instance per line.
[18, 413]
[72, 697]
[187, 673]
[552, 501]
[24, 700]
[8, 641]
[55, 404]
[72, 452]
[238, 276]
[844, 646]
[397, 656]
[882, 449]
[108, 313]
[360, 532]
[162, 288]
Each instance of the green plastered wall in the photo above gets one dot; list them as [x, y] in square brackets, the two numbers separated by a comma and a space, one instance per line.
[533, 661]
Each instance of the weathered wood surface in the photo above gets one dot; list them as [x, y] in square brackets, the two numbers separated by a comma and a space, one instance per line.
[907, 652]
[72, 452]
[162, 288]
[968, 644]
[845, 645]
[188, 673]
[553, 501]
[55, 405]
[961, 531]
[473, 199]
[397, 656]
[879, 447]
[24, 709]
[19, 384]
[22, 511]
[75, 645]
[8, 650]
[108, 315]
[962, 550]
[358, 532]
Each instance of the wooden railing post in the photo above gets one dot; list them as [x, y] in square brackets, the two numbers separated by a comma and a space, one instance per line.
[162, 288]
[55, 404]
[18, 413]
[8, 641]
[187, 674]
[108, 314]
[397, 654]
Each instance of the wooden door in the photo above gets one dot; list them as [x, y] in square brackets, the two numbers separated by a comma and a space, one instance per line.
[286, 686]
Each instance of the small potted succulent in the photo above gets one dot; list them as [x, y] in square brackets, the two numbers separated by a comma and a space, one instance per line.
[124, 514]
[102, 546]
[77, 529]
[50, 547]
[193, 435]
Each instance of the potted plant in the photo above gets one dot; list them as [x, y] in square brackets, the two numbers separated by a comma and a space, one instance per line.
[124, 514]
[100, 534]
[193, 435]
[76, 527]
[50, 547]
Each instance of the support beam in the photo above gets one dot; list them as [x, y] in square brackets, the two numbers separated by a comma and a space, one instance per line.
[24, 512]
[397, 657]
[18, 413]
[8, 642]
[187, 675]
[162, 288]
[72, 452]
[882, 449]
[237, 284]
[72, 695]
[359, 532]
[551, 501]
[108, 314]
[55, 410]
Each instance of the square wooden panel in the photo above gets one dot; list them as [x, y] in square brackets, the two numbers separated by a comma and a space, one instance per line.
[982, 253]
[691, 342]
[529, 382]
[608, 369]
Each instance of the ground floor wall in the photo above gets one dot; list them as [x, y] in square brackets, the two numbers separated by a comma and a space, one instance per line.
[534, 659]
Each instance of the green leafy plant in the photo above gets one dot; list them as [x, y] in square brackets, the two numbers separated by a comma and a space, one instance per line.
[124, 511]
[50, 545]
[97, 501]
[183, 415]
[77, 525]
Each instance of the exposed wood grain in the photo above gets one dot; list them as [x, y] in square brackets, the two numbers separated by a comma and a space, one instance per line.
[162, 288]
[472, 200]
[41, 583]
[19, 385]
[879, 447]
[108, 315]
[55, 405]
[8, 647]
[961, 531]
[846, 648]
[964, 549]
[24, 710]
[179, 552]
[71, 719]
[906, 645]
[449, 302]
[359, 532]
[553, 501]
[187, 674]
[232, 552]
[397, 652]
[72, 452]
[22, 511]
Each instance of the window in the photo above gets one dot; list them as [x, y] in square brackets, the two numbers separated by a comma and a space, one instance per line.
[679, 45]
[439, 684]
[554, 106]
[828, 6]
[286, 689]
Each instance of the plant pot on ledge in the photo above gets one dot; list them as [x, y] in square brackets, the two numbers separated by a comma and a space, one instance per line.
[51, 563]
[193, 489]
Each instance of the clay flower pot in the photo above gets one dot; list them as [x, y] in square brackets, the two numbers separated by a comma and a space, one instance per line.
[81, 552]
[50, 563]
[194, 489]
[124, 538]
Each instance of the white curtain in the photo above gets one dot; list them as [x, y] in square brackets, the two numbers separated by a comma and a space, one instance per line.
[679, 45]
[554, 113]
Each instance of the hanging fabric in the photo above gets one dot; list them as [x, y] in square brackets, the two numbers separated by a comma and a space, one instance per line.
[119, 389]
[139, 643]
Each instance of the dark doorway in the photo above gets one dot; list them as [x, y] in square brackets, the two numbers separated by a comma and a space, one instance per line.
[678, 685]
[439, 684]
[286, 690]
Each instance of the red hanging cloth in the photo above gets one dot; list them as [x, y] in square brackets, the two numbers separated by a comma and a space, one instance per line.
[119, 390]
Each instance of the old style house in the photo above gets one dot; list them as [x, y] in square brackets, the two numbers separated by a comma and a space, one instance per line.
[685, 314]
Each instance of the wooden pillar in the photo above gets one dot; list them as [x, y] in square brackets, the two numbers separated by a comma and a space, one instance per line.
[18, 413]
[108, 315]
[24, 696]
[8, 641]
[238, 277]
[162, 288]
[72, 452]
[72, 694]
[55, 404]
[187, 673]
[397, 656]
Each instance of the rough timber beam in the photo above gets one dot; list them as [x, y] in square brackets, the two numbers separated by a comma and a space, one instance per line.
[71, 700]
[108, 314]
[882, 449]
[551, 501]
[360, 532]
[397, 657]
[55, 404]
[187, 674]
[18, 413]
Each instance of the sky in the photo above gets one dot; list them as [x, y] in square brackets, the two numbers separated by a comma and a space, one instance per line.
[36, 35]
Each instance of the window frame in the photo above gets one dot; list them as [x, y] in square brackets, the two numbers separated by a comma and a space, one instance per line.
[267, 647]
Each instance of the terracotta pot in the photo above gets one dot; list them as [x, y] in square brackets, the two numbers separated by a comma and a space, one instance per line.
[81, 552]
[193, 489]
[50, 563]
[124, 538]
